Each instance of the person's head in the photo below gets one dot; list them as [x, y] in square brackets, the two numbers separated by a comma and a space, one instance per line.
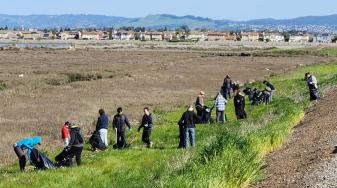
[119, 110]
[146, 111]
[190, 108]
[101, 111]
[37, 140]
[307, 75]
[67, 123]
[238, 91]
[227, 76]
[265, 81]
[202, 93]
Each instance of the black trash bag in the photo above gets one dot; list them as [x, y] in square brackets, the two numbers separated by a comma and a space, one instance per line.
[96, 141]
[40, 161]
[63, 159]
[206, 115]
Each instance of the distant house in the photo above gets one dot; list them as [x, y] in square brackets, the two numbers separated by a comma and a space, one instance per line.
[156, 36]
[69, 35]
[196, 36]
[250, 36]
[273, 37]
[221, 36]
[168, 36]
[123, 35]
[93, 35]
[32, 35]
[5, 34]
[48, 35]
[324, 38]
[299, 38]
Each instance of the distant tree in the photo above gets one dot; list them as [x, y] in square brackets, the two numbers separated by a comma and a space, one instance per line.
[185, 29]
[286, 36]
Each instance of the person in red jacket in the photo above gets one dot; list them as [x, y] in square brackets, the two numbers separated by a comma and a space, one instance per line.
[65, 133]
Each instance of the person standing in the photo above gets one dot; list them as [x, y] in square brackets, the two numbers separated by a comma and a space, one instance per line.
[199, 103]
[220, 105]
[75, 146]
[119, 123]
[147, 125]
[65, 133]
[227, 87]
[239, 104]
[312, 85]
[102, 126]
[24, 145]
[189, 119]
[271, 89]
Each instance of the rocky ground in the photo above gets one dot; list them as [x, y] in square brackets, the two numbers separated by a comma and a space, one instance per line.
[307, 159]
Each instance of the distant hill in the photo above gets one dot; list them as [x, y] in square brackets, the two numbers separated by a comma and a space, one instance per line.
[309, 23]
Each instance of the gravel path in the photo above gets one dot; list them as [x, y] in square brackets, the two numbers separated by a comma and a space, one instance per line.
[306, 159]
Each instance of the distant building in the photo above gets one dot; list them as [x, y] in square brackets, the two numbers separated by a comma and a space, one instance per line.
[168, 36]
[123, 35]
[196, 36]
[250, 36]
[154, 36]
[32, 35]
[48, 35]
[324, 38]
[273, 37]
[69, 35]
[300, 38]
[221, 36]
[93, 35]
[5, 34]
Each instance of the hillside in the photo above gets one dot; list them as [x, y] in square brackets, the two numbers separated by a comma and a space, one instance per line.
[310, 23]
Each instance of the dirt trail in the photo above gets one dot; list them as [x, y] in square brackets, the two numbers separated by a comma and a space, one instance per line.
[308, 148]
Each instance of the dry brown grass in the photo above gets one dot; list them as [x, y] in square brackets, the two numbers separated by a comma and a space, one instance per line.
[40, 102]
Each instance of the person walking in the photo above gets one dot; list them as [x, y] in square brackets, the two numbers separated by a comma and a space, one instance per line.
[271, 88]
[199, 103]
[312, 85]
[239, 104]
[220, 105]
[75, 146]
[227, 87]
[147, 125]
[24, 148]
[102, 126]
[119, 123]
[189, 119]
[65, 133]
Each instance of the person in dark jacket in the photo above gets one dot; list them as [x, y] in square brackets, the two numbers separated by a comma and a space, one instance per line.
[271, 88]
[102, 126]
[227, 87]
[199, 103]
[239, 104]
[188, 120]
[75, 146]
[119, 123]
[147, 125]
[28, 145]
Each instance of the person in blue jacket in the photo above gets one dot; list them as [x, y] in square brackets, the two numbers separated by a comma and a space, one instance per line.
[25, 145]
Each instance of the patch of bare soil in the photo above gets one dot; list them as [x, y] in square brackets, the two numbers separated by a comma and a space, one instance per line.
[310, 145]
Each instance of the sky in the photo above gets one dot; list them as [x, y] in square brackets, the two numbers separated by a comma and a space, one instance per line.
[216, 9]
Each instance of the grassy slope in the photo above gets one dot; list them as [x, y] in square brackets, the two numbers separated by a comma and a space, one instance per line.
[225, 156]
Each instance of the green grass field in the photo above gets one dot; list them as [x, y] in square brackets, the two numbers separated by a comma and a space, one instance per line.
[227, 155]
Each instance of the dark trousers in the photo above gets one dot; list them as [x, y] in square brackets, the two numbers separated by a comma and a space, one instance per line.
[146, 137]
[77, 152]
[181, 137]
[226, 93]
[199, 110]
[121, 141]
[241, 115]
[21, 156]
[313, 94]
[220, 116]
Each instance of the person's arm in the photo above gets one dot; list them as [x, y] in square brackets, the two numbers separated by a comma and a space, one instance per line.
[141, 124]
[72, 138]
[114, 123]
[127, 122]
[98, 123]
[196, 117]
[180, 122]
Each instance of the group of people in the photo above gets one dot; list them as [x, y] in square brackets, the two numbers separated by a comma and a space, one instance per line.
[73, 139]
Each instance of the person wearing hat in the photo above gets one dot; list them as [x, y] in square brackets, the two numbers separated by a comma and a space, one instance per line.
[312, 85]
[24, 148]
[75, 146]
[239, 104]
[227, 87]
[199, 103]
[65, 133]
[188, 121]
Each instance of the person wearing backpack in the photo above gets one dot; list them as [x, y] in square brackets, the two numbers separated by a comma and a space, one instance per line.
[119, 123]
[147, 125]
[76, 143]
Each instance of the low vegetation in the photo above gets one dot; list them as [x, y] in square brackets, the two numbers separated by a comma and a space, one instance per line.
[227, 155]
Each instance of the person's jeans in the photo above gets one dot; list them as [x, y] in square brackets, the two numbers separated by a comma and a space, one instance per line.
[103, 133]
[65, 142]
[220, 116]
[189, 137]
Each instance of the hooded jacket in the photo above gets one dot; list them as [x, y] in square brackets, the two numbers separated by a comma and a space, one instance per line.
[102, 122]
[29, 144]
[76, 137]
